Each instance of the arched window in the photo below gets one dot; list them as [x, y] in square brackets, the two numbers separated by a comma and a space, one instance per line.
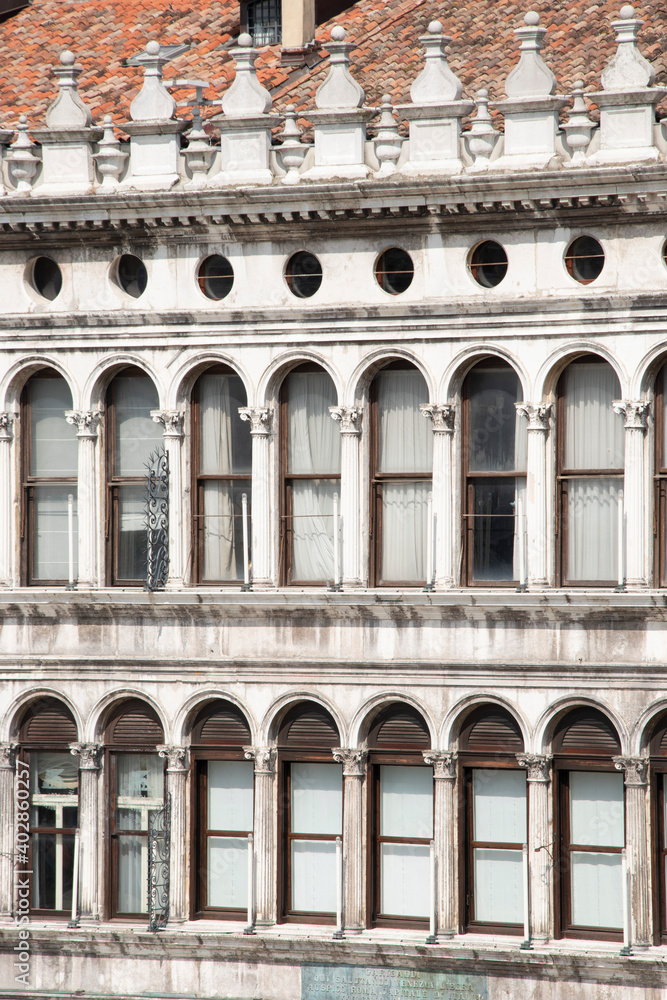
[494, 473]
[131, 436]
[310, 442]
[49, 463]
[223, 818]
[591, 825]
[495, 820]
[401, 817]
[660, 477]
[312, 814]
[590, 472]
[44, 737]
[401, 462]
[658, 755]
[136, 791]
[221, 470]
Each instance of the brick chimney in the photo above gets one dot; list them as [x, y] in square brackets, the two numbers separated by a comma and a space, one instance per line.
[298, 30]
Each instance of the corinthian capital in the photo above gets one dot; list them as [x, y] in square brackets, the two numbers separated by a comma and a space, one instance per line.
[7, 426]
[177, 757]
[635, 412]
[260, 419]
[353, 760]
[264, 758]
[171, 420]
[89, 755]
[87, 422]
[349, 418]
[443, 762]
[442, 416]
[635, 768]
[8, 756]
[537, 413]
[538, 765]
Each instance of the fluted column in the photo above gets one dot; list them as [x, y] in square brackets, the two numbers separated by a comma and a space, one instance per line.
[445, 839]
[635, 412]
[442, 418]
[6, 480]
[7, 774]
[90, 758]
[637, 848]
[540, 841]
[177, 774]
[87, 425]
[354, 870]
[536, 490]
[265, 855]
[261, 430]
[349, 418]
[172, 422]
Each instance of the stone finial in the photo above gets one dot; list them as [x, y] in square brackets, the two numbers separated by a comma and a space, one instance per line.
[68, 110]
[482, 136]
[531, 77]
[388, 142]
[292, 152]
[153, 102]
[579, 127]
[246, 96]
[628, 69]
[109, 157]
[21, 159]
[339, 91]
[436, 84]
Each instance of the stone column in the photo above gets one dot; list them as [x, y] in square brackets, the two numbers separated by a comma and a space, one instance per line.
[7, 768]
[635, 412]
[637, 848]
[261, 430]
[442, 419]
[354, 870]
[539, 842]
[177, 774]
[349, 418]
[172, 422]
[445, 836]
[265, 855]
[87, 425]
[536, 490]
[6, 482]
[90, 758]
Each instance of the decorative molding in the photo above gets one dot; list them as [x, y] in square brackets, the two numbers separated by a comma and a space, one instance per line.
[349, 418]
[86, 422]
[537, 413]
[177, 758]
[636, 769]
[7, 426]
[635, 412]
[89, 754]
[538, 766]
[171, 420]
[8, 756]
[442, 415]
[353, 759]
[264, 758]
[443, 761]
[260, 419]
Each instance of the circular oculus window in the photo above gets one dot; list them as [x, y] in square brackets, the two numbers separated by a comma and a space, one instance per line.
[303, 274]
[129, 273]
[584, 259]
[45, 277]
[215, 277]
[394, 270]
[488, 264]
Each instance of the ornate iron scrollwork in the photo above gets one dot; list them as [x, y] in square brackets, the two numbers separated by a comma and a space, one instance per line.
[159, 851]
[157, 520]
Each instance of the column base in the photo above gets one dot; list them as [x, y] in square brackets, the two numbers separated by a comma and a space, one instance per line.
[354, 930]
[636, 585]
[353, 584]
[443, 936]
[264, 924]
[88, 920]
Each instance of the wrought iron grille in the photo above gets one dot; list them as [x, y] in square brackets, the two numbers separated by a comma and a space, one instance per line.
[159, 851]
[157, 520]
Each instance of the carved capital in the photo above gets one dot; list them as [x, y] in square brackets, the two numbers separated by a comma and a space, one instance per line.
[353, 760]
[264, 758]
[443, 762]
[171, 420]
[89, 754]
[635, 412]
[349, 418]
[7, 426]
[177, 758]
[87, 422]
[538, 766]
[635, 768]
[537, 413]
[8, 756]
[442, 415]
[260, 419]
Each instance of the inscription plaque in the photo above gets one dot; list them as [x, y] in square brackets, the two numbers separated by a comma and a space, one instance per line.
[346, 982]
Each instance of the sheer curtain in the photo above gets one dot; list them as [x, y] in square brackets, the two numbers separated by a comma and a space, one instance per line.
[597, 818]
[229, 790]
[406, 813]
[139, 792]
[316, 807]
[216, 459]
[499, 817]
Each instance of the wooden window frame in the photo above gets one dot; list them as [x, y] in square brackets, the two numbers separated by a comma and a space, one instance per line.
[658, 790]
[660, 486]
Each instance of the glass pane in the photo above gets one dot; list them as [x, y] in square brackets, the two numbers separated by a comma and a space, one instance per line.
[316, 798]
[406, 802]
[139, 789]
[43, 816]
[51, 538]
[404, 879]
[496, 435]
[312, 529]
[498, 886]
[132, 874]
[495, 527]
[594, 434]
[223, 530]
[597, 816]
[224, 439]
[53, 864]
[597, 890]
[53, 442]
[131, 533]
[137, 434]
[230, 785]
[54, 773]
[227, 872]
[592, 529]
[405, 438]
[313, 442]
[313, 871]
[499, 806]
[404, 531]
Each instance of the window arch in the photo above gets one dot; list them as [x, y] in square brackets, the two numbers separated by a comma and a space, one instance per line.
[591, 448]
[401, 464]
[222, 463]
[49, 464]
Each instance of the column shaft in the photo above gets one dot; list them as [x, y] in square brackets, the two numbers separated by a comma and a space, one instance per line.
[635, 412]
[354, 869]
[90, 755]
[539, 841]
[7, 775]
[350, 429]
[6, 483]
[87, 511]
[265, 861]
[172, 422]
[261, 419]
[638, 849]
[445, 839]
[536, 490]
[177, 775]
[442, 418]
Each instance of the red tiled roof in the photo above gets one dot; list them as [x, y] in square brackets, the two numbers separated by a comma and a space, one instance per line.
[386, 58]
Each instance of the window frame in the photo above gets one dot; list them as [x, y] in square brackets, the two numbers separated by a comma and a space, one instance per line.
[660, 483]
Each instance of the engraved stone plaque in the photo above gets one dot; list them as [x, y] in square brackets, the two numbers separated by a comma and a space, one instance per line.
[346, 982]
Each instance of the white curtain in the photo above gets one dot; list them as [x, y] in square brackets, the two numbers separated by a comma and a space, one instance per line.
[592, 528]
[498, 885]
[316, 801]
[406, 801]
[594, 434]
[132, 864]
[404, 889]
[230, 787]
[313, 865]
[312, 528]
[55, 774]
[499, 805]
[597, 889]
[137, 434]
[51, 538]
[227, 872]
[216, 460]
[519, 495]
[139, 791]
[405, 438]
[53, 442]
[404, 530]
[597, 814]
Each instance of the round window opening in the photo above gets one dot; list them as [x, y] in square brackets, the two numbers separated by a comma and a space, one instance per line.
[394, 270]
[303, 274]
[584, 259]
[130, 274]
[216, 277]
[488, 264]
[45, 277]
